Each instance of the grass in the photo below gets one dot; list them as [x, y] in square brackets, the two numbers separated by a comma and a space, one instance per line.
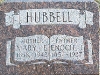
[1, 1]
[98, 1]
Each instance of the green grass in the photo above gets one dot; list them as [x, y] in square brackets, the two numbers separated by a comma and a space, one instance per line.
[1, 1]
[98, 1]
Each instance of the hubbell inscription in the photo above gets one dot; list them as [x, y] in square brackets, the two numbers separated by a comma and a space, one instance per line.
[49, 38]
[49, 16]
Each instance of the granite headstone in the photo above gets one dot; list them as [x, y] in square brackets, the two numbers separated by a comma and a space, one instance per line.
[49, 38]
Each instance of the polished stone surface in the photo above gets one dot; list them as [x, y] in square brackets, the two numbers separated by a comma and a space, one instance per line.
[13, 63]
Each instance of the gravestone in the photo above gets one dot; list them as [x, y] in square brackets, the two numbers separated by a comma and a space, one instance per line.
[49, 38]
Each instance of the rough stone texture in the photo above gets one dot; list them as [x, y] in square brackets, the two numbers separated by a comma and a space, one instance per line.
[8, 33]
[99, 42]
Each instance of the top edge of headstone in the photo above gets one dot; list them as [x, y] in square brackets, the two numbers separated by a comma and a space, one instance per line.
[48, 0]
